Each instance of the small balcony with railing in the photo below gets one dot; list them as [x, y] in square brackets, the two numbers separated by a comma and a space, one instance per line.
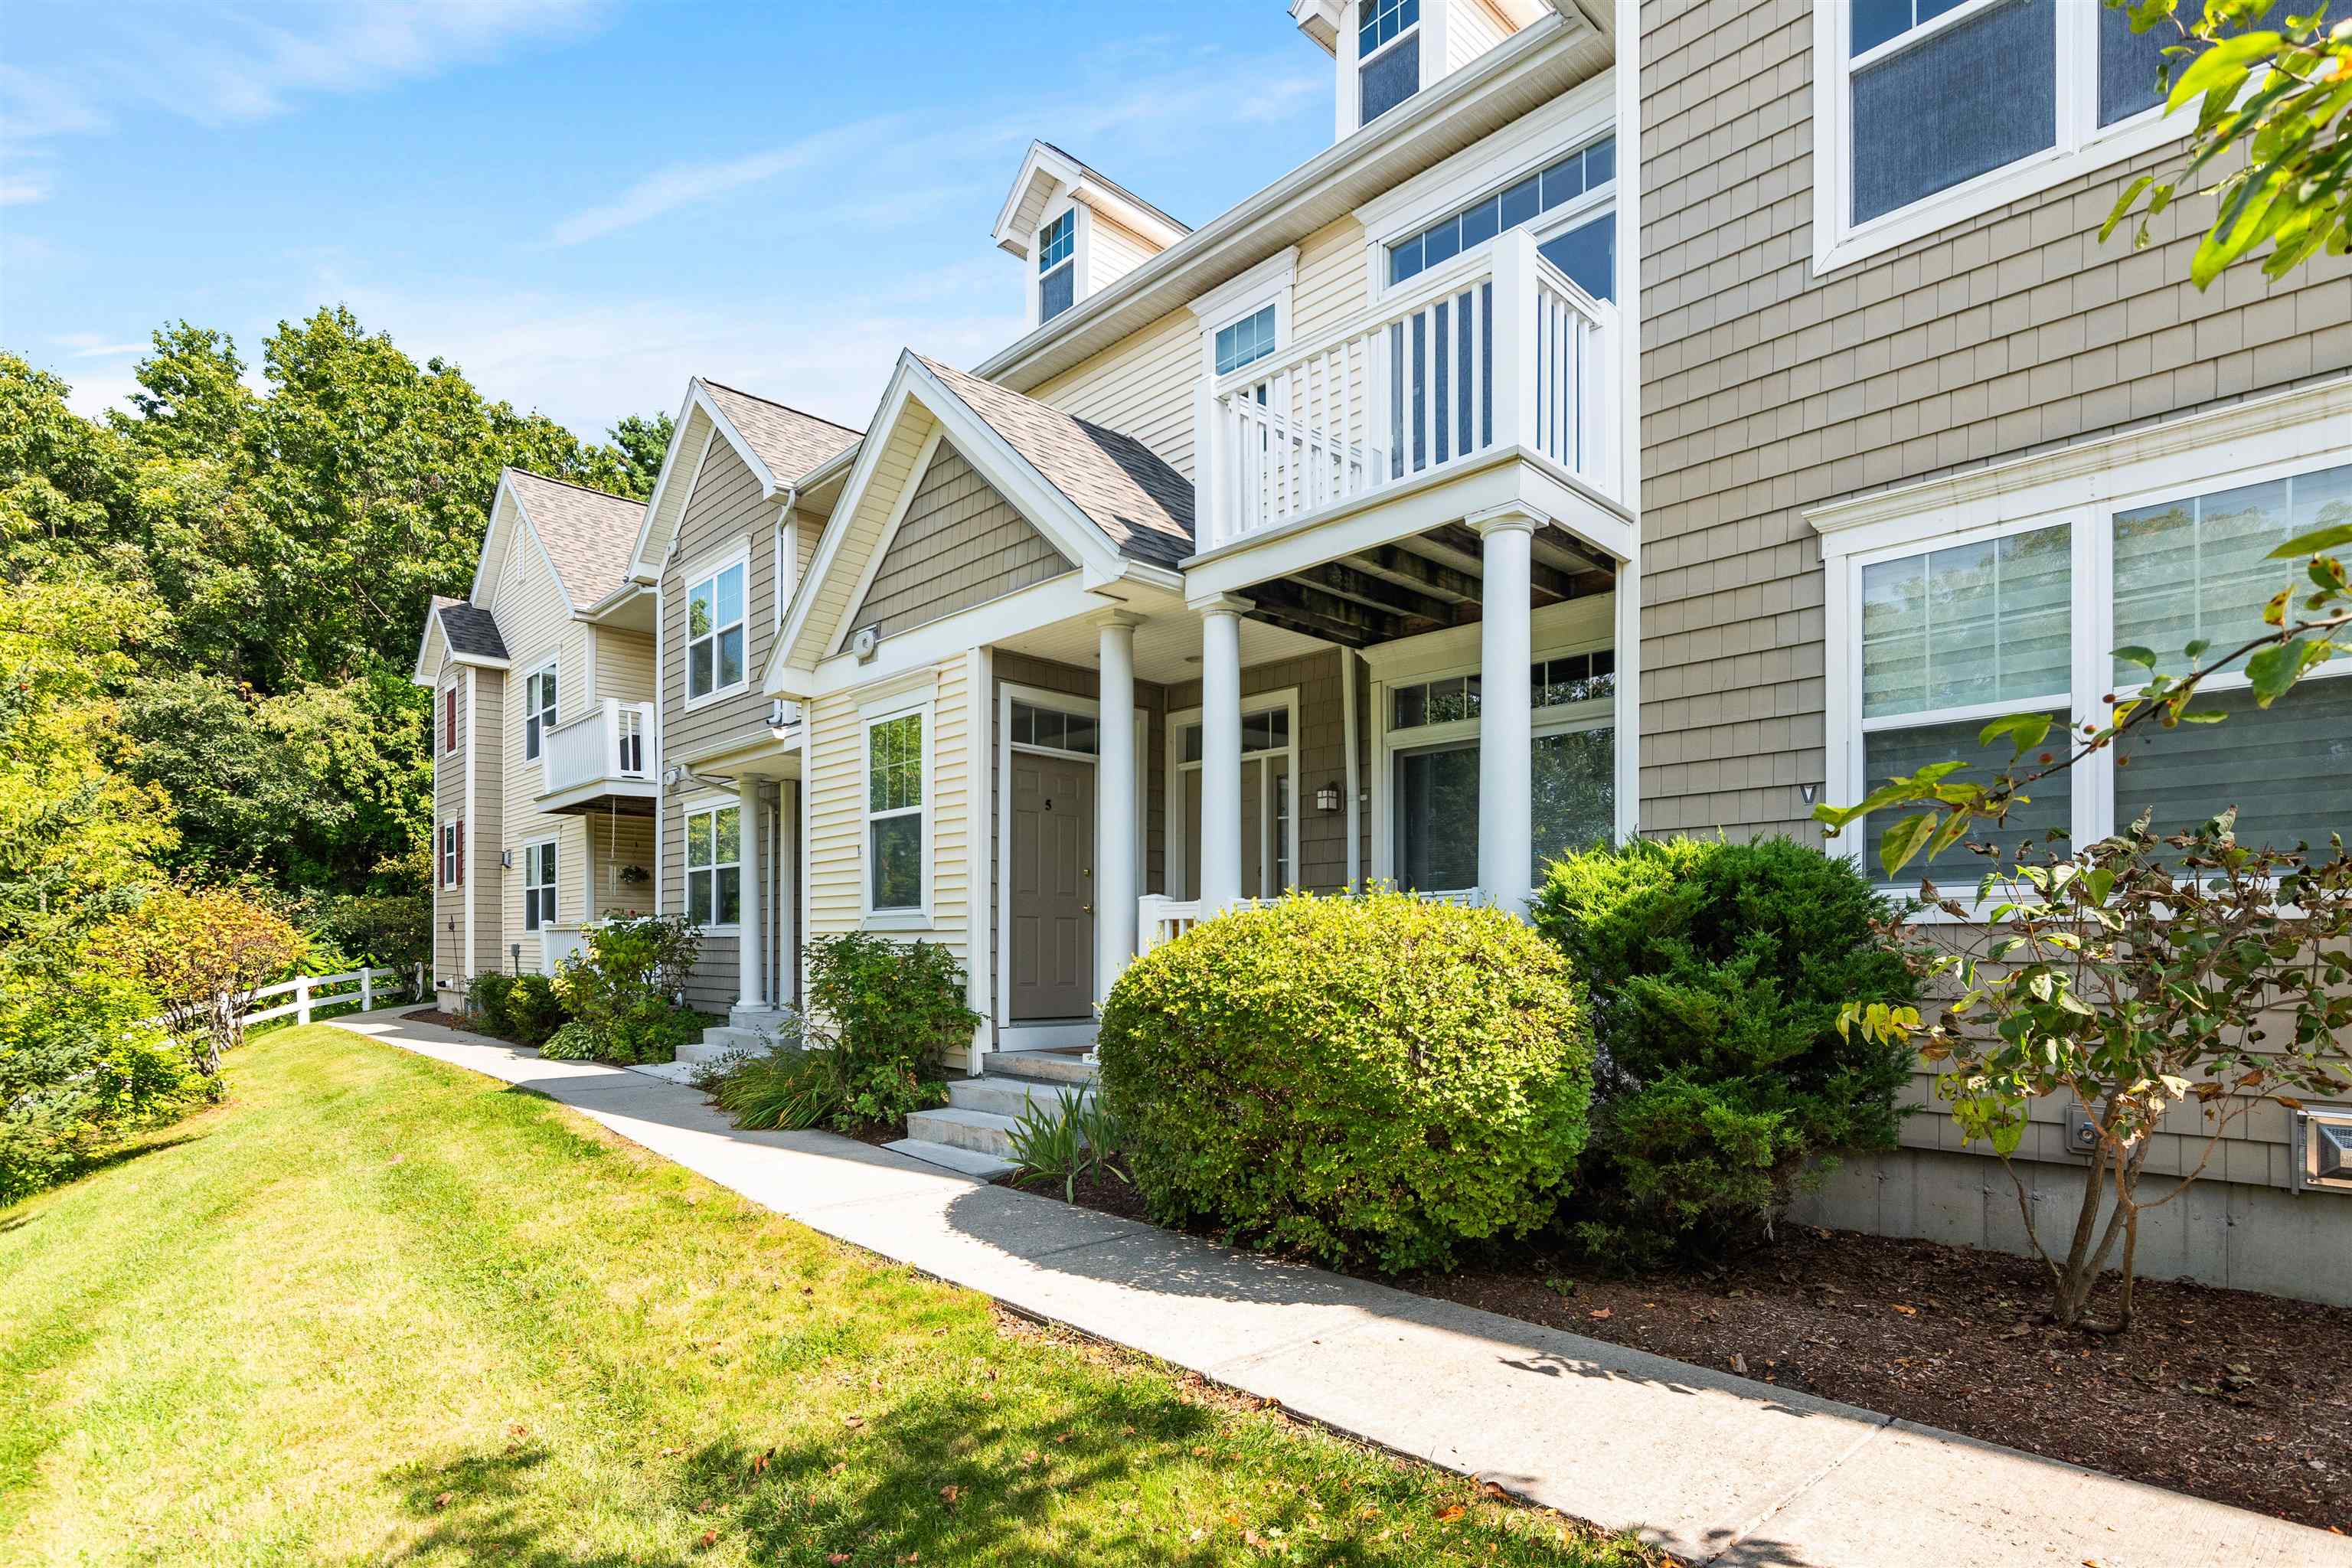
[1494, 383]
[600, 762]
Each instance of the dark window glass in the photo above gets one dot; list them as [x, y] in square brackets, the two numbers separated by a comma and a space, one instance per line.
[1522, 201]
[2287, 769]
[1056, 241]
[1403, 262]
[1599, 162]
[1388, 79]
[1056, 292]
[1889, 753]
[1443, 243]
[1437, 819]
[1977, 96]
[1572, 801]
[1382, 20]
[897, 863]
[1480, 224]
[2128, 65]
[1587, 254]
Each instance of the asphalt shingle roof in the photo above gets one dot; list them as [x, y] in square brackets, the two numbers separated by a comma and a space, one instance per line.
[1130, 493]
[790, 442]
[468, 628]
[588, 535]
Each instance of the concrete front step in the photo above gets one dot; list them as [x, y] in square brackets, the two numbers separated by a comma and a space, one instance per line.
[981, 1132]
[1011, 1097]
[722, 1040]
[1042, 1067]
[970, 1162]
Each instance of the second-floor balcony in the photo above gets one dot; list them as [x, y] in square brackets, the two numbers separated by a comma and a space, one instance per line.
[600, 761]
[1503, 358]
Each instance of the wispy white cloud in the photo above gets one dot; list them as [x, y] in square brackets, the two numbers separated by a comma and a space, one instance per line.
[1167, 110]
[18, 191]
[91, 345]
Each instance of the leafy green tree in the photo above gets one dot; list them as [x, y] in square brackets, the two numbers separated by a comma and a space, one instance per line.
[2280, 98]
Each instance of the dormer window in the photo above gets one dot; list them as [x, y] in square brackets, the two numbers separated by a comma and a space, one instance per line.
[1387, 55]
[1057, 267]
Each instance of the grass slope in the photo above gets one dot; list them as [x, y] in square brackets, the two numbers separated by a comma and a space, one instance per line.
[380, 1310]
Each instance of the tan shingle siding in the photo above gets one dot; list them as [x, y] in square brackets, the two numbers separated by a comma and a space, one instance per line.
[961, 544]
[1765, 390]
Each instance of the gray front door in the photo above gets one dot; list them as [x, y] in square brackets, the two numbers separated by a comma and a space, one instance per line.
[1053, 886]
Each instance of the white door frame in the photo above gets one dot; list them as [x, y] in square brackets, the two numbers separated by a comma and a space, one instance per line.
[1284, 698]
[1011, 1035]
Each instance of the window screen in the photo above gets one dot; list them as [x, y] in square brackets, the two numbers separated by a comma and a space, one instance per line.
[1968, 99]
[1890, 754]
[2128, 65]
[1388, 79]
[1056, 291]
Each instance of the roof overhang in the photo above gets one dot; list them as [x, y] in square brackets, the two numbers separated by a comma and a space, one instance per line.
[1555, 53]
[1319, 20]
[700, 421]
[1047, 168]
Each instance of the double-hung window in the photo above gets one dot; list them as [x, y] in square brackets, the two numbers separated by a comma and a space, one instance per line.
[453, 854]
[895, 813]
[1388, 56]
[539, 885]
[714, 865]
[538, 708]
[1559, 201]
[714, 633]
[1932, 110]
[1057, 267]
[1432, 734]
[1949, 634]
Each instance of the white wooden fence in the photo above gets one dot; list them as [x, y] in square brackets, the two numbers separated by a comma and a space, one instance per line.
[316, 992]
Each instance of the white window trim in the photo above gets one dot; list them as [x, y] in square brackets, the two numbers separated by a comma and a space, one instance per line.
[448, 851]
[737, 553]
[880, 710]
[547, 720]
[530, 869]
[1082, 244]
[1555, 641]
[1430, 29]
[704, 805]
[2084, 486]
[2083, 147]
[1179, 846]
[1526, 146]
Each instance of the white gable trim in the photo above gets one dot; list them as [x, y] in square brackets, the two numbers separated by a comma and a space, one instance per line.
[681, 431]
[433, 634]
[1040, 503]
[898, 520]
[716, 424]
[505, 506]
[1084, 186]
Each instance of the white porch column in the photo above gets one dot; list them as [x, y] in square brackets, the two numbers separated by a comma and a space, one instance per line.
[1115, 776]
[1506, 709]
[749, 952]
[1221, 752]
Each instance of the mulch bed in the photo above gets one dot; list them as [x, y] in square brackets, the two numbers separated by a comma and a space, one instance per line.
[435, 1016]
[2241, 1398]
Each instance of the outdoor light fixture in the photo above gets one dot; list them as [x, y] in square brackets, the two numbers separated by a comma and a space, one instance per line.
[506, 859]
[514, 950]
[2322, 1149]
[1327, 798]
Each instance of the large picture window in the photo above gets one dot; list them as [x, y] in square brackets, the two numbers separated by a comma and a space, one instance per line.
[1433, 734]
[1932, 110]
[894, 812]
[714, 633]
[714, 865]
[2023, 618]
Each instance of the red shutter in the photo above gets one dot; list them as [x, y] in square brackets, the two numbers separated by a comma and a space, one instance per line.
[461, 852]
[449, 740]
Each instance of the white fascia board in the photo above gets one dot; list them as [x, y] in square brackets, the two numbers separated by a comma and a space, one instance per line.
[662, 479]
[1040, 161]
[1026, 609]
[1319, 20]
[615, 600]
[424, 650]
[1085, 184]
[1250, 290]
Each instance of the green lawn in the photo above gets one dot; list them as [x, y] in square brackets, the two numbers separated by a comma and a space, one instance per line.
[376, 1309]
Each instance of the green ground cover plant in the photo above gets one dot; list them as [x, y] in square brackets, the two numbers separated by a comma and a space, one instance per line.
[1373, 1079]
[377, 1309]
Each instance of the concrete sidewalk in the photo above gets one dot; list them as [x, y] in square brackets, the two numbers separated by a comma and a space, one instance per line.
[1716, 1469]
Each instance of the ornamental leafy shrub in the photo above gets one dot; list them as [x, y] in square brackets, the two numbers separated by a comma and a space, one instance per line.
[624, 993]
[574, 1042]
[1367, 1080]
[533, 1010]
[487, 995]
[1717, 973]
[887, 1009]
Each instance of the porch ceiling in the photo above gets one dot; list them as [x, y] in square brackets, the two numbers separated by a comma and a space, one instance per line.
[1420, 583]
[1167, 643]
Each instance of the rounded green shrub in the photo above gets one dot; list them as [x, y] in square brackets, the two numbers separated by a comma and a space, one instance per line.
[533, 1011]
[1369, 1078]
[574, 1042]
[1717, 972]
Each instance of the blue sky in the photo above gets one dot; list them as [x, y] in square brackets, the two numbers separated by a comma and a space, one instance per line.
[583, 202]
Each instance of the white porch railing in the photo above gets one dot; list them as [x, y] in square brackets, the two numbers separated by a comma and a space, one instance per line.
[1161, 921]
[1510, 352]
[613, 739]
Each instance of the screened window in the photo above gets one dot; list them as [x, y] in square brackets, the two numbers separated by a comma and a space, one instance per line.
[1961, 102]
[2132, 66]
[714, 633]
[1057, 268]
[714, 865]
[894, 813]
[1587, 254]
[1245, 342]
[1055, 729]
[1954, 637]
[1388, 52]
[539, 886]
[453, 862]
[539, 708]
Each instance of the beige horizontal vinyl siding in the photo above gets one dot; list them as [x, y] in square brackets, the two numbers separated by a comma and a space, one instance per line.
[714, 984]
[1141, 387]
[535, 621]
[1767, 390]
[959, 544]
[1114, 250]
[1329, 287]
[624, 664]
[725, 513]
[1472, 27]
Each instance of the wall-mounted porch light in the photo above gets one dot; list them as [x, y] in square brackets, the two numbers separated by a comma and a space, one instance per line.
[1327, 798]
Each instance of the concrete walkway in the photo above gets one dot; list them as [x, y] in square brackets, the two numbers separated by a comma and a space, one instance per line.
[1717, 1468]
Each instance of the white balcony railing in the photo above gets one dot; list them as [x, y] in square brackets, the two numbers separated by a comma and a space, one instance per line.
[1509, 353]
[613, 739]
